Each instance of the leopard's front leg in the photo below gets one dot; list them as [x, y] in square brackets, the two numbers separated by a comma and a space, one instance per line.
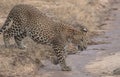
[59, 52]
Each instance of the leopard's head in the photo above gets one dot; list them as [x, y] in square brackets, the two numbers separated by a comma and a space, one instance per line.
[78, 36]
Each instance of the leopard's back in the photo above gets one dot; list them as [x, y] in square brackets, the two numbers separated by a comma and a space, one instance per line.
[28, 19]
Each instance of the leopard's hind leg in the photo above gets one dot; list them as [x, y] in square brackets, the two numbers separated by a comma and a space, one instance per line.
[18, 40]
[7, 31]
[6, 37]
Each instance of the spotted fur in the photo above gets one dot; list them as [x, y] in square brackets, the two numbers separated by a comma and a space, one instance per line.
[26, 20]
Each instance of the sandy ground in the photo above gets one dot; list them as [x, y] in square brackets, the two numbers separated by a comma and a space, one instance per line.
[108, 55]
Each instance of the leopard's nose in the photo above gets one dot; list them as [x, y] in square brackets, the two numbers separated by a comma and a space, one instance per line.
[81, 48]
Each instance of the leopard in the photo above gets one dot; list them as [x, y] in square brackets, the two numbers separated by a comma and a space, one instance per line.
[25, 20]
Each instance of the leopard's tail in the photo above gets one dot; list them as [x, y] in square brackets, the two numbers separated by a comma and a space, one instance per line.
[6, 25]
